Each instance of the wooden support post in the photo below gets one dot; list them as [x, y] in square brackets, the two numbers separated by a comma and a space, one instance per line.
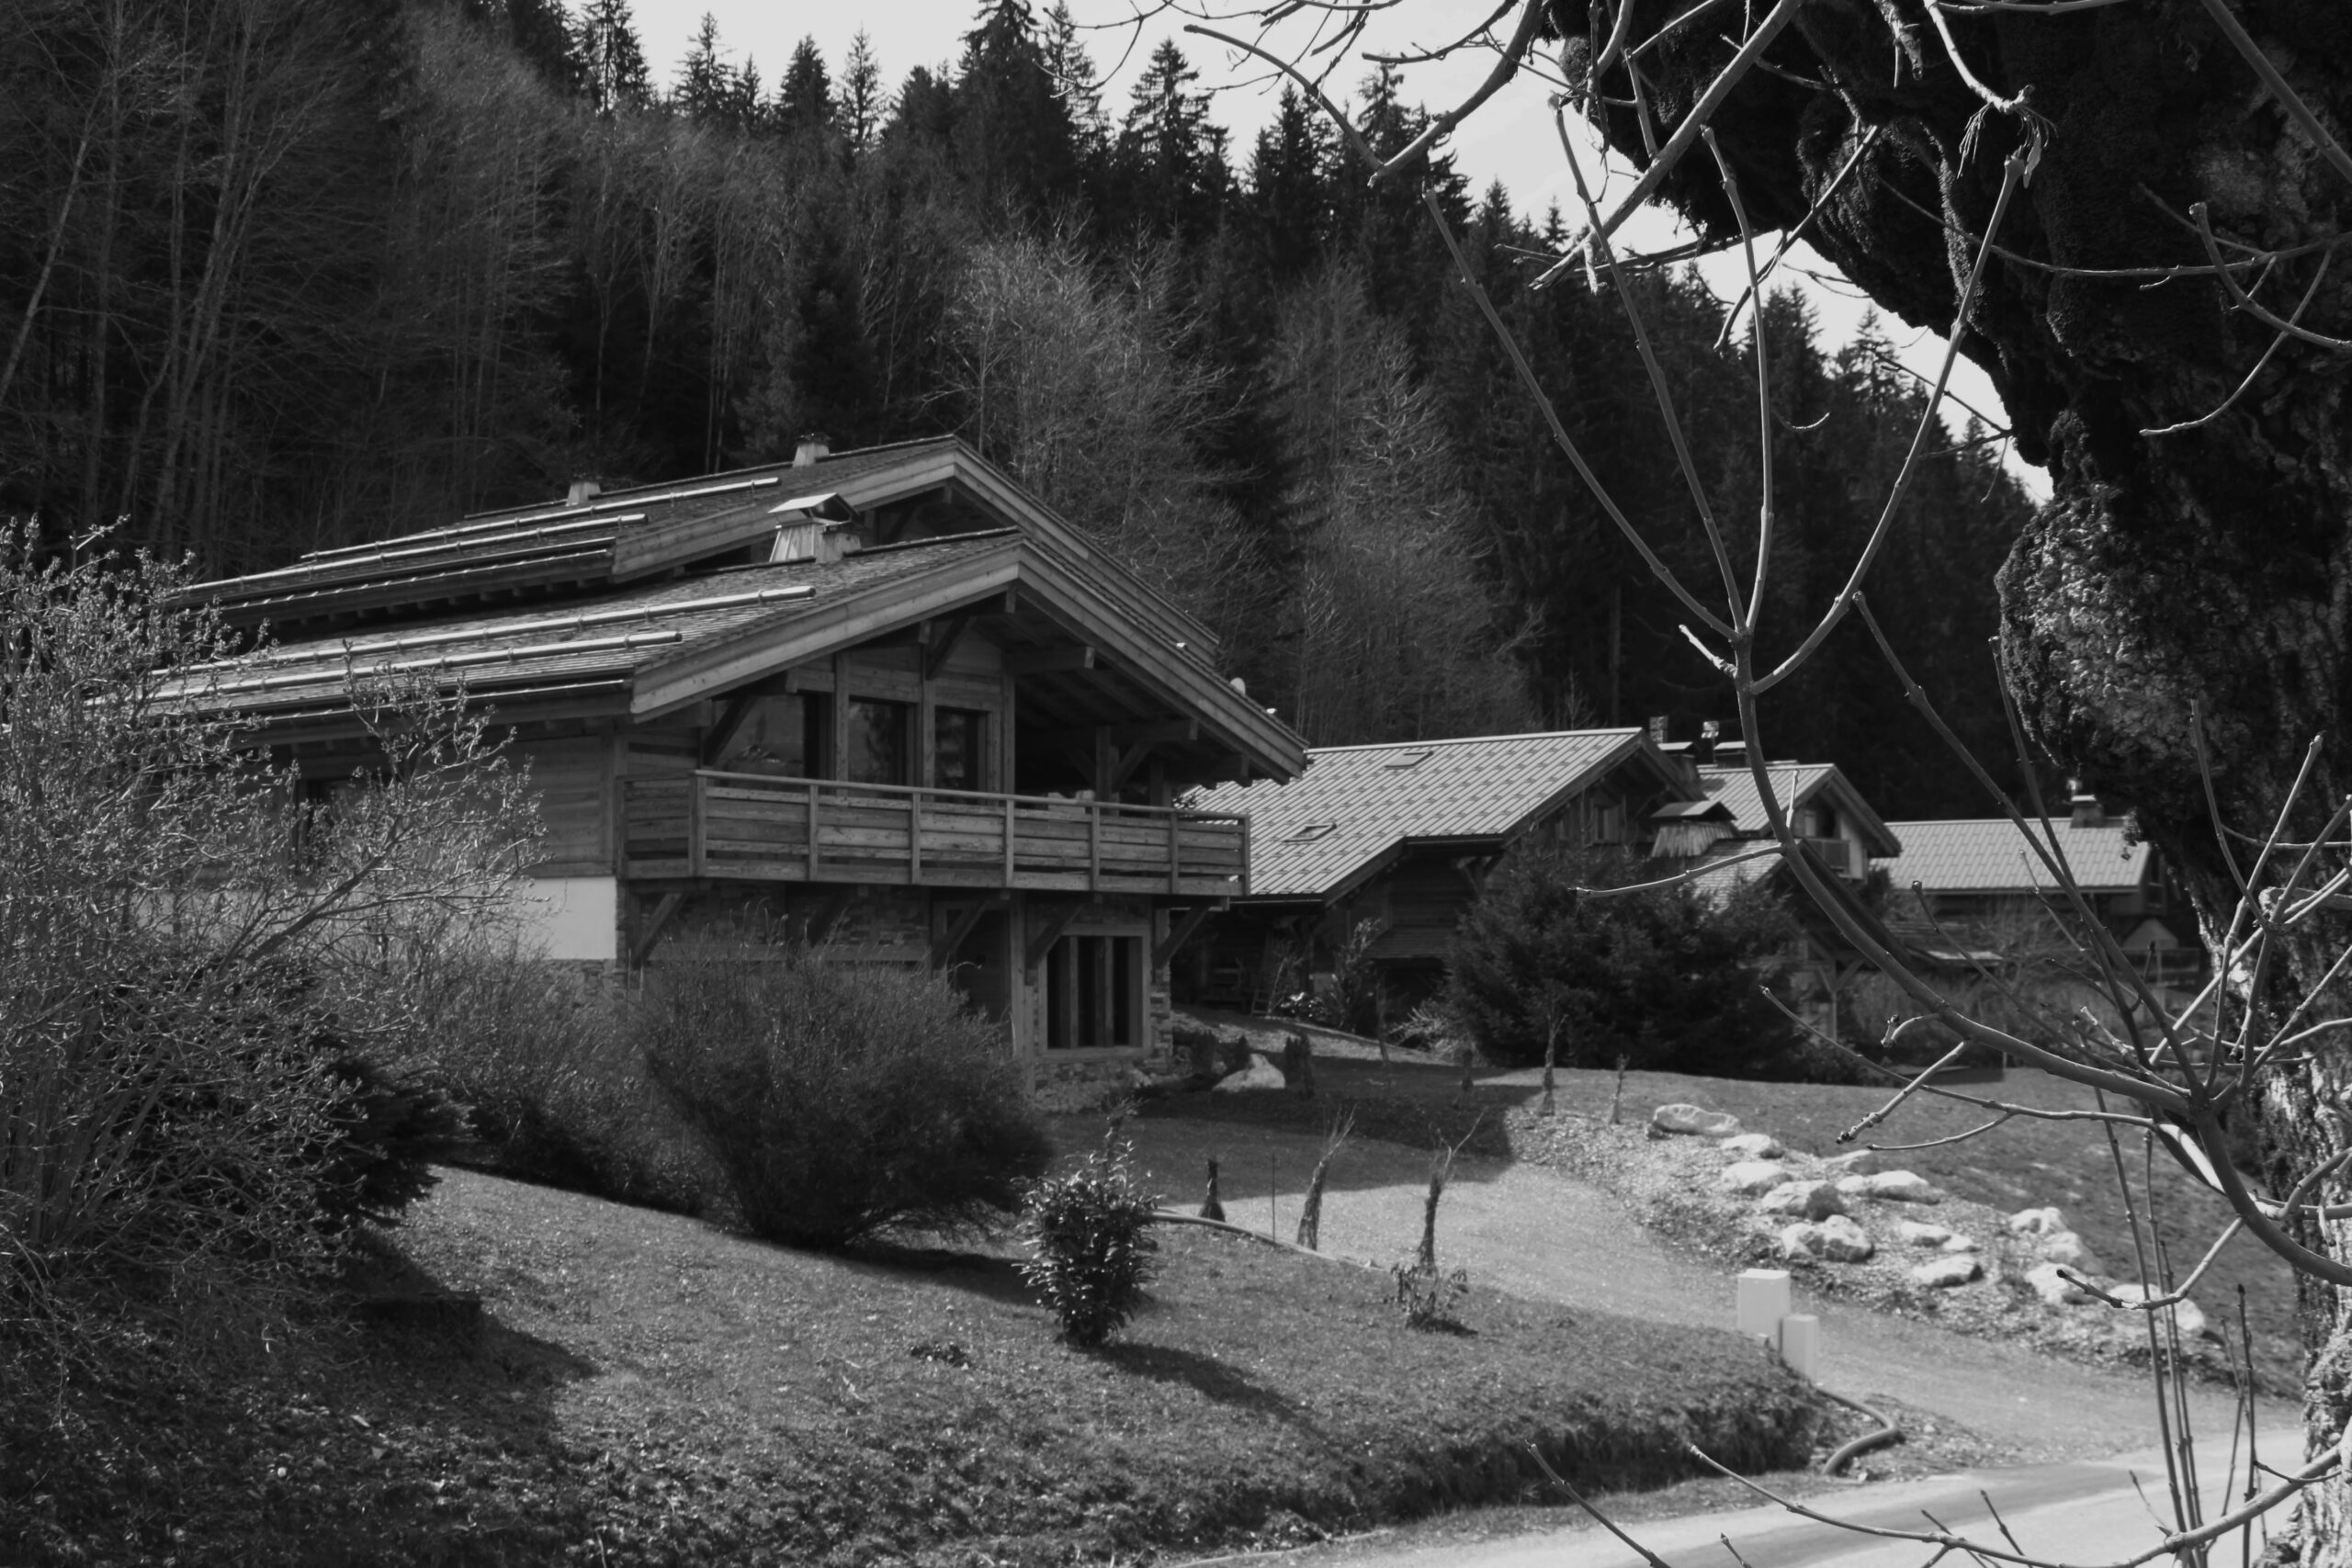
[695, 784]
[650, 932]
[1175, 854]
[837, 764]
[1041, 941]
[1124, 763]
[814, 796]
[1181, 931]
[914, 839]
[1095, 846]
[944, 635]
[962, 927]
[722, 729]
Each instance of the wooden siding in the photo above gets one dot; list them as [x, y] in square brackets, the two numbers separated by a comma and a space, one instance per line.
[571, 780]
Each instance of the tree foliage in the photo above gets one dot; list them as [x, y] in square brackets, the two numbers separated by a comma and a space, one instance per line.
[1669, 980]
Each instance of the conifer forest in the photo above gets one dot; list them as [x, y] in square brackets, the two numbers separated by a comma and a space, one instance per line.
[280, 275]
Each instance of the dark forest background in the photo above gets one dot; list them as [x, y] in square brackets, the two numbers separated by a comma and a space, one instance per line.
[277, 274]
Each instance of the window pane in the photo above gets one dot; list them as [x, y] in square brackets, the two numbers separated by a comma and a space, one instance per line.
[956, 738]
[772, 739]
[877, 742]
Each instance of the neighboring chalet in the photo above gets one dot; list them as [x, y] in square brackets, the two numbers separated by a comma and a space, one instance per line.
[1828, 816]
[886, 695]
[1985, 891]
[1400, 836]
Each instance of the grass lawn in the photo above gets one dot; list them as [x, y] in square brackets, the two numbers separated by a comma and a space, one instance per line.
[650, 1389]
[2025, 1163]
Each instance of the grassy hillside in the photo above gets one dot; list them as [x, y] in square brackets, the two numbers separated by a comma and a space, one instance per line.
[652, 1390]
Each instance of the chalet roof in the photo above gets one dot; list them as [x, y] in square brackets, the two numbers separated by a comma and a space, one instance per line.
[633, 534]
[1797, 785]
[651, 648]
[1987, 855]
[1356, 808]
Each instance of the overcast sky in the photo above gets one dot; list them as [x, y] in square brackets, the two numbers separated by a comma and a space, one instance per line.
[1511, 139]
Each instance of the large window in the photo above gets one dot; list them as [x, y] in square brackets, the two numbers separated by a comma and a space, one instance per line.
[877, 742]
[958, 736]
[781, 736]
[1095, 993]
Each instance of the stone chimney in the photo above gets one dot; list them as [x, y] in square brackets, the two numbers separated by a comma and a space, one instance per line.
[2088, 812]
[582, 492]
[814, 449]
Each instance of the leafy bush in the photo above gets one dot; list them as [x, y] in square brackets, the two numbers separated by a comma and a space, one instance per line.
[1088, 1234]
[1429, 1299]
[182, 932]
[554, 1089]
[840, 1100]
[1667, 980]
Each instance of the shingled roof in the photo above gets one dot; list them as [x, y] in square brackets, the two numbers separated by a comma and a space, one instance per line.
[1987, 855]
[1796, 784]
[1356, 808]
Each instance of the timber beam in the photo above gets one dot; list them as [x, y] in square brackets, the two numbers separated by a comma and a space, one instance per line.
[1180, 929]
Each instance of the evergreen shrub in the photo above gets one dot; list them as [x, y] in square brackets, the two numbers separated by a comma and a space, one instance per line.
[1668, 979]
[1088, 1234]
[840, 1100]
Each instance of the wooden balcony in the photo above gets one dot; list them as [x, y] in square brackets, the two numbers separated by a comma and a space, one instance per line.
[748, 827]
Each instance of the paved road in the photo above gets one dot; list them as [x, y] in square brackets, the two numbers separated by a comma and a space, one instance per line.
[2087, 1512]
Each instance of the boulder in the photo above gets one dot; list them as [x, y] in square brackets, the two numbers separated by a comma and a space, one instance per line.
[1750, 1176]
[1840, 1240]
[2036, 1222]
[1805, 1200]
[1689, 1120]
[1945, 1273]
[2065, 1246]
[1753, 1145]
[1259, 1074]
[1837, 1239]
[2053, 1287]
[1918, 1232]
[1891, 1187]
[2188, 1314]
[1854, 1164]
[1958, 1243]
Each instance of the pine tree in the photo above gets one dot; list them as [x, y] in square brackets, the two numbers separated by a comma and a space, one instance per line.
[1291, 170]
[1072, 70]
[1171, 163]
[862, 101]
[1014, 138]
[705, 88]
[804, 99]
[612, 62]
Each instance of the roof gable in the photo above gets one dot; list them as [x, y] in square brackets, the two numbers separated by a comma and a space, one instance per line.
[1797, 785]
[1356, 808]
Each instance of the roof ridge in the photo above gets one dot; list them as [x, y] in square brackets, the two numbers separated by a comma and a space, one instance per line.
[1470, 740]
[779, 468]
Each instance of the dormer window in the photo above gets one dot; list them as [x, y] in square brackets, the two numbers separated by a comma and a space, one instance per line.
[1312, 831]
[1409, 759]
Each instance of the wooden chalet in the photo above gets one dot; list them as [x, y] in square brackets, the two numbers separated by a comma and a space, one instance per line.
[1401, 837]
[1835, 825]
[885, 694]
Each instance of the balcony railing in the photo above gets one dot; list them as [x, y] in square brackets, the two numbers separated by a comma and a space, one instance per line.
[753, 828]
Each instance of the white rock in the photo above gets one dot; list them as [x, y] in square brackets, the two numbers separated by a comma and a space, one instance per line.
[1753, 1145]
[1891, 1187]
[1944, 1274]
[1692, 1121]
[1848, 1165]
[1804, 1200]
[1837, 1239]
[2185, 1313]
[1958, 1243]
[2065, 1246]
[2036, 1222]
[1259, 1074]
[1918, 1232]
[1750, 1176]
[1796, 1243]
[2053, 1287]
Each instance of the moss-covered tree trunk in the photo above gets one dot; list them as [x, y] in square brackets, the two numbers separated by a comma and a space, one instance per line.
[2209, 566]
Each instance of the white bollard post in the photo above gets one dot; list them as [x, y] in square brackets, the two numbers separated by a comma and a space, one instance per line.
[1763, 1302]
[1800, 1344]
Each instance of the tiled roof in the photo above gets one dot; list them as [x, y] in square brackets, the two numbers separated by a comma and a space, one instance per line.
[609, 636]
[1356, 805]
[1795, 784]
[1988, 855]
